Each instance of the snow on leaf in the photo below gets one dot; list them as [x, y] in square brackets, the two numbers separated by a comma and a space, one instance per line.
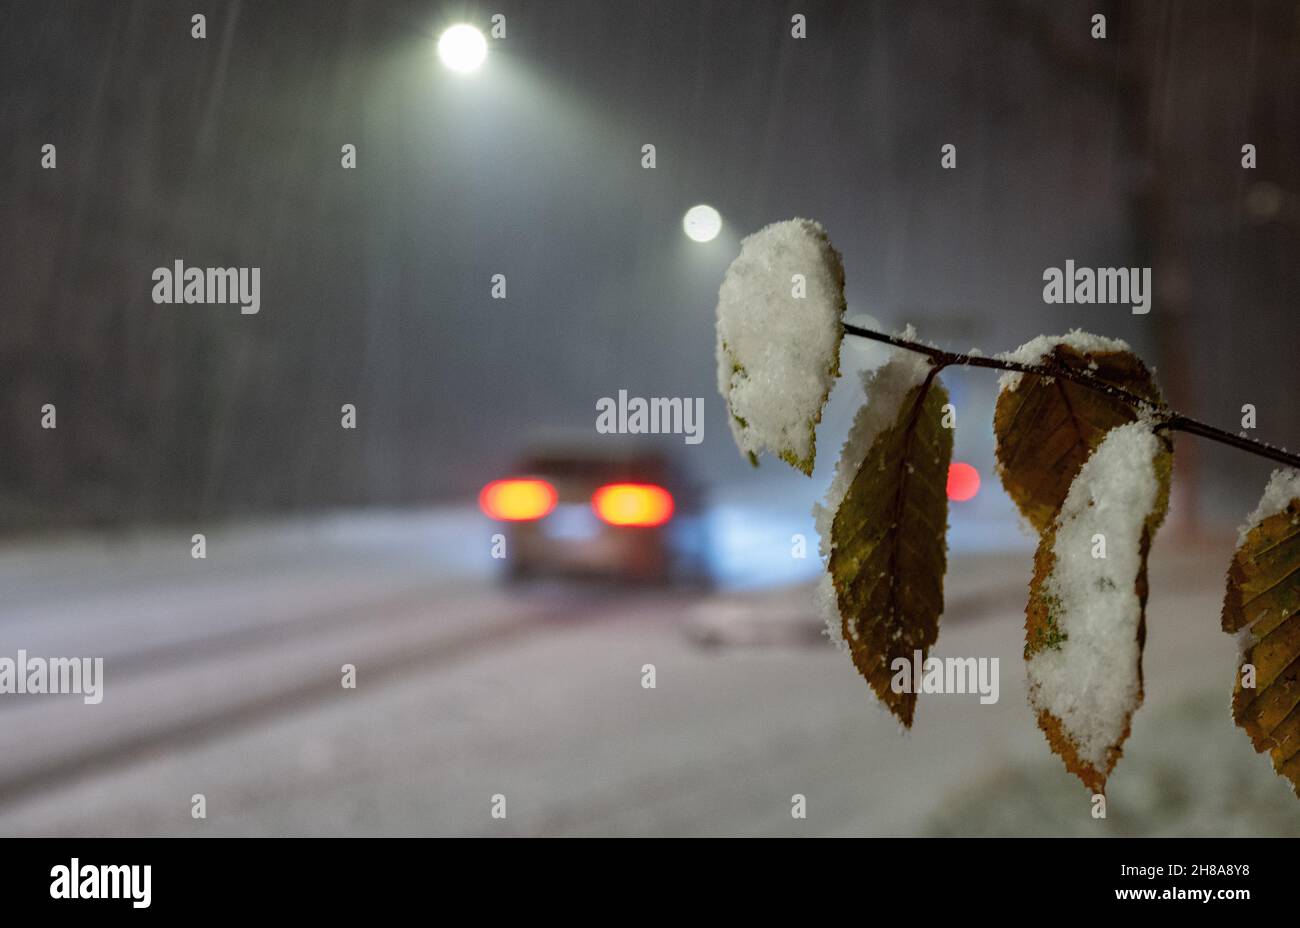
[1260, 606]
[1047, 426]
[778, 351]
[883, 527]
[1085, 622]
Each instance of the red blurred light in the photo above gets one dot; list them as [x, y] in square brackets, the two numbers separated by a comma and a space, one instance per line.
[517, 500]
[963, 481]
[641, 504]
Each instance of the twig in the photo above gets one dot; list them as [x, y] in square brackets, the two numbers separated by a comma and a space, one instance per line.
[1164, 416]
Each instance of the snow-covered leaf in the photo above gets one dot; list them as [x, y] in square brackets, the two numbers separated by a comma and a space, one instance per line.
[1085, 623]
[779, 331]
[883, 527]
[1261, 606]
[1047, 426]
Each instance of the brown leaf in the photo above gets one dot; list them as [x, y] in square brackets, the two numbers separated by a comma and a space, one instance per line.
[1085, 622]
[1047, 426]
[1261, 604]
[888, 550]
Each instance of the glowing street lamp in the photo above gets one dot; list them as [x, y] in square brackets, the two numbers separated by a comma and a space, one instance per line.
[462, 48]
[702, 223]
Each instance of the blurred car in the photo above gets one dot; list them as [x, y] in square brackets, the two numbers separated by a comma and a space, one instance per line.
[586, 509]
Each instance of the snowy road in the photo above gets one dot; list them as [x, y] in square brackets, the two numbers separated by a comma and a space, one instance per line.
[223, 678]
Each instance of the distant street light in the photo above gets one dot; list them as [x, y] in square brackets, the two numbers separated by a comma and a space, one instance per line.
[702, 223]
[462, 48]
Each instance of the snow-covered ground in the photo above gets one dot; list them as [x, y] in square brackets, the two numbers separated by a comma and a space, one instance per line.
[227, 684]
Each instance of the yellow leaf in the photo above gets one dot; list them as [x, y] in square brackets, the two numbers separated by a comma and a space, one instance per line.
[887, 553]
[1047, 426]
[1260, 605]
[1085, 622]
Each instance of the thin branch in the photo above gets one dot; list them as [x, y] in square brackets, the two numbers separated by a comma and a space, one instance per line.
[1191, 426]
[949, 358]
[1164, 416]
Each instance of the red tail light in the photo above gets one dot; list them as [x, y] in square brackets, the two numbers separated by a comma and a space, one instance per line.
[963, 481]
[517, 500]
[642, 504]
